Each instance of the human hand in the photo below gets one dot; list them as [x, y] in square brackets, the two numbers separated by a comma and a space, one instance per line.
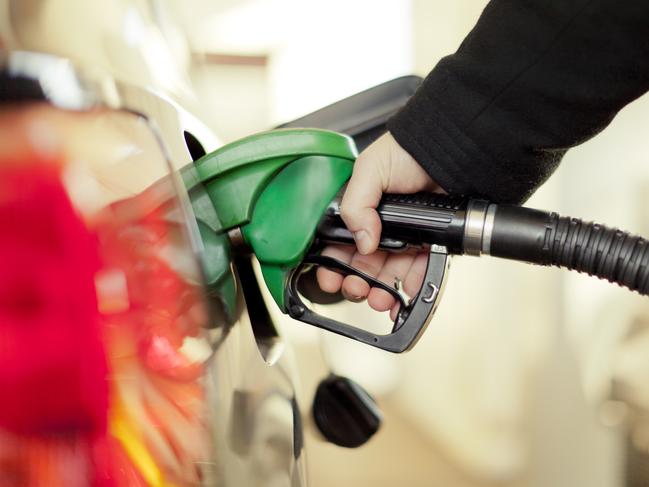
[384, 167]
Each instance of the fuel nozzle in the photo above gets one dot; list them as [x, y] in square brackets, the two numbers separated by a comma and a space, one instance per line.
[278, 191]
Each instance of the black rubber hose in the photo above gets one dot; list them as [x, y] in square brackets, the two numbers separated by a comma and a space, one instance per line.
[549, 239]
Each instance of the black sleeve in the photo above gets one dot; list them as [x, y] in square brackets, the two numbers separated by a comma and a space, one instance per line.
[532, 79]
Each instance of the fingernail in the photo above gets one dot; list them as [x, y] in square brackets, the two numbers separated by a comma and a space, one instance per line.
[362, 239]
[353, 298]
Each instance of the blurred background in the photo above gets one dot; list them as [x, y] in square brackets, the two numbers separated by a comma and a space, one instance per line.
[526, 376]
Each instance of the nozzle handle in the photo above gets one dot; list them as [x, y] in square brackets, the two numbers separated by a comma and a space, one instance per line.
[409, 221]
[412, 319]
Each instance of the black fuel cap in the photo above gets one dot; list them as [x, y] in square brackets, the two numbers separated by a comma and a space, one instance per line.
[344, 412]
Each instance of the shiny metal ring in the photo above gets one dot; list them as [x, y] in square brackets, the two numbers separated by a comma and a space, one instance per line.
[488, 228]
[474, 226]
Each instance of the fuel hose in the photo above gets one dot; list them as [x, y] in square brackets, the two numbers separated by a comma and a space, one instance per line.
[479, 227]
[547, 238]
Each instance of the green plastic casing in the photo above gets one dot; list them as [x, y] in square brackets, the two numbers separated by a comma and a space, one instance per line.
[274, 186]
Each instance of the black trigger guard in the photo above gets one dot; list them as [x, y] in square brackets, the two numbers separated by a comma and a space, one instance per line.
[412, 319]
[340, 267]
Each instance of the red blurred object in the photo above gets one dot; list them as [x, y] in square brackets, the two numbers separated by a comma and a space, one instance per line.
[112, 465]
[160, 299]
[75, 301]
[53, 373]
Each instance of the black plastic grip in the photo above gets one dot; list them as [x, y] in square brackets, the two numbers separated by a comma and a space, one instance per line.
[424, 218]
[429, 200]
[549, 239]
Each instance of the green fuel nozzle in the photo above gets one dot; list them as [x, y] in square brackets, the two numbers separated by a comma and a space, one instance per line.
[273, 187]
[278, 192]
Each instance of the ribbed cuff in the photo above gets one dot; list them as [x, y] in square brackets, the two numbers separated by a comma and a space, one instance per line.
[429, 133]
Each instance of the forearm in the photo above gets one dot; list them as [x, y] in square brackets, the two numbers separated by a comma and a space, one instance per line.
[532, 79]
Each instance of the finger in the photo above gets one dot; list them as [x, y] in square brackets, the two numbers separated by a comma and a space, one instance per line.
[357, 209]
[356, 289]
[415, 276]
[329, 281]
[394, 310]
[396, 266]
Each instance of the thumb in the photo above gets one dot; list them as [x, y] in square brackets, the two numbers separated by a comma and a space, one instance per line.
[358, 207]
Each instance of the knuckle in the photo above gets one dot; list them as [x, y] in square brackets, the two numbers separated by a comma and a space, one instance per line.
[367, 266]
[345, 212]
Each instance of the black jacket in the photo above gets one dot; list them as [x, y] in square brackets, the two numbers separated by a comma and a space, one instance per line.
[532, 79]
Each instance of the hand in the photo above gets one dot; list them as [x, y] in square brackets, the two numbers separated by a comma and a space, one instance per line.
[384, 167]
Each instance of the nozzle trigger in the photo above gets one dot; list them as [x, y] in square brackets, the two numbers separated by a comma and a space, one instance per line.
[413, 316]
